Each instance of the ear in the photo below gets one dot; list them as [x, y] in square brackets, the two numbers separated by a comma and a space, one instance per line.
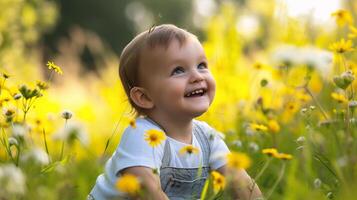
[140, 98]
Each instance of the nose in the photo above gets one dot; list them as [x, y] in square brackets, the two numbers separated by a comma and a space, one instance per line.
[196, 76]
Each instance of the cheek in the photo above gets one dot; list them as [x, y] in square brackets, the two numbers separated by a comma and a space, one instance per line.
[212, 85]
[174, 89]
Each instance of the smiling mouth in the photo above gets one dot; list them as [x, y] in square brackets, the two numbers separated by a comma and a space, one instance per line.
[196, 93]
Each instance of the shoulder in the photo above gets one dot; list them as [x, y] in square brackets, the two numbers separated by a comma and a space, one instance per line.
[208, 131]
[140, 127]
[135, 135]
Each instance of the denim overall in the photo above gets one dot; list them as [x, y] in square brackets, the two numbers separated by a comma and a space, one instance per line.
[185, 183]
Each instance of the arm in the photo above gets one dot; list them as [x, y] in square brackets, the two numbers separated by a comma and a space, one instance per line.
[244, 187]
[150, 181]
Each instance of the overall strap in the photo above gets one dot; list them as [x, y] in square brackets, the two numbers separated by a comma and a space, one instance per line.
[166, 158]
[203, 140]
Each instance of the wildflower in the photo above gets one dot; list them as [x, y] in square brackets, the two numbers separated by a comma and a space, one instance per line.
[72, 131]
[66, 114]
[273, 126]
[303, 97]
[344, 80]
[352, 104]
[258, 127]
[291, 107]
[317, 183]
[154, 137]
[283, 156]
[17, 96]
[28, 93]
[12, 180]
[42, 85]
[288, 56]
[253, 146]
[132, 123]
[270, 152]
[238, 160]
[9, 114]
[330, 195]
[219, 181]
[303, 111]
[54, 67]
[13, 141]
[19, 130]
[339, 97]
[342, 17]
[301, 140]
[36, 155]
[353, 33]
[128, 183]
[342, 46]
[237, 143]
[189, 149]
[258, 65]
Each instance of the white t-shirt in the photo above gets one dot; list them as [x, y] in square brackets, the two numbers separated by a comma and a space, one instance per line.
[133, 150]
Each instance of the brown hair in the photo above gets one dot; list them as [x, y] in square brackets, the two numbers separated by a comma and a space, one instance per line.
[130, 57]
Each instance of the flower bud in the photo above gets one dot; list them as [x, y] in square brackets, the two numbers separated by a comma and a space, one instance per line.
[66, 114]
[344, 80]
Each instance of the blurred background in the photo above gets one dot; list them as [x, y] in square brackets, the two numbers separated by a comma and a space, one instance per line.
[271, 59]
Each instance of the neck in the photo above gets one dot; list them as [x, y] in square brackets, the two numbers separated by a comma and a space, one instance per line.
[178, 129]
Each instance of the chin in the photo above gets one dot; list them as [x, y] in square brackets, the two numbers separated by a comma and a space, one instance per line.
[198, 113]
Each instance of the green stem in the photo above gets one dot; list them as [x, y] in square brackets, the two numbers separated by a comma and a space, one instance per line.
[315, 101]
[46, 147]
[62, 150]
[259, 175]
[18, 155]
[263, 169]
[63, 142]
[282, 171]
[114, 131]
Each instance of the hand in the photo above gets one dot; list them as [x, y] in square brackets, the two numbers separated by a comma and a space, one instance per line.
[244, 187]
[149, 180]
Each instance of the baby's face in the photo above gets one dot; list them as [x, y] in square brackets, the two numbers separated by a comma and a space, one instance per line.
[177, 79]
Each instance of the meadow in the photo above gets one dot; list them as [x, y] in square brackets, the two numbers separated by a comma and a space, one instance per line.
[285, 103]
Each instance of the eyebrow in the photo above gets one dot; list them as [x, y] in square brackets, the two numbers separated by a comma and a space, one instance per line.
[180, 60]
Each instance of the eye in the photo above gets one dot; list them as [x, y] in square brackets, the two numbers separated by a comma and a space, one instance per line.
[177, 70]
[202, 65]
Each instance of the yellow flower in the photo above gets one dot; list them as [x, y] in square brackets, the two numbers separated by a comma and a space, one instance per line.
[273, 126]
[258, 65]
[270, 152]
[238, 160]
[303, 97]
[353, 33]
[339, 97]
[132, 123]
[128, 183]
[189, 149]
[54, 67]
[154, 137]
[342, 17]
[291, 107]
[258, 127]
[219, 181]
[283, 156]
[342, 46]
